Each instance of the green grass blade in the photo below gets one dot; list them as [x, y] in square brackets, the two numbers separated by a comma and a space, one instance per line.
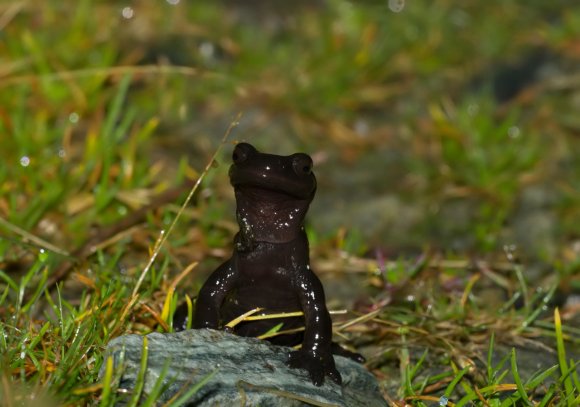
[538, 379]
[574, 375]
[469, 396]
[413, 371]
[404, 358]
[522, 280]
[37, 293]
[107, 380]
[158, 387]
[564, 368]
[548, 397]
[455, 381]
[539, 309]
[140, 380]
[409, 391]
[115, 112]
[490, 370]
[11, 283]
[187, 395]
[521, 390]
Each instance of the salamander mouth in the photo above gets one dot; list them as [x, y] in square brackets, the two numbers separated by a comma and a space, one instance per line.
[256, 183]
[257, 196]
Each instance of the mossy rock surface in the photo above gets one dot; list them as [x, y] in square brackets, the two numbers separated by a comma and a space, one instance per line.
[248, 372]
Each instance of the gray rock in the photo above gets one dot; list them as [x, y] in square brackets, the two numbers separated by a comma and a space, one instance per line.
[249, 372]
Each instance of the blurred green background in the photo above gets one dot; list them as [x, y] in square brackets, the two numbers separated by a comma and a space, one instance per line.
[440, 124]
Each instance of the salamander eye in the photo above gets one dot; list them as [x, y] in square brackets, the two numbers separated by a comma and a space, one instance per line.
[241, 152]
[302, 164]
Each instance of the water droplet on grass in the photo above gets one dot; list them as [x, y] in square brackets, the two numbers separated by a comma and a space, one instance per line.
[510, 250]
[207, 50]
[472, 109]
[73, 117]
[42, 255]
[362, 127]
[514, 132]
[25, 161]
[127, 12]
[396, 6]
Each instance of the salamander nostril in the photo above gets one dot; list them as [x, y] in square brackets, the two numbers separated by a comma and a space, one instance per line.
[241, 152]
[302, 164]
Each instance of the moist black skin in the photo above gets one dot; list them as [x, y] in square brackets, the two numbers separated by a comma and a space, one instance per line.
[270, 263]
